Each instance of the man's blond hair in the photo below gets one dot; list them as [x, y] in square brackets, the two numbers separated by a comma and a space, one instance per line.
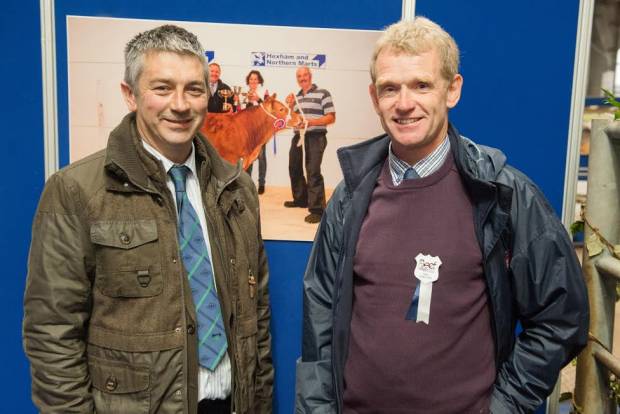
[413, 37]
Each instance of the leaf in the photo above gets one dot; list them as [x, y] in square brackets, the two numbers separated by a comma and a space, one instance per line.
[611, 99]
[576, 227]
[594, 245]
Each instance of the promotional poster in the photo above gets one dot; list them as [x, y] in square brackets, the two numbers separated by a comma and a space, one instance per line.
[337, 59]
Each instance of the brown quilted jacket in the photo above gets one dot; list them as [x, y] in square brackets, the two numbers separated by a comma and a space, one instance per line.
[109, 320]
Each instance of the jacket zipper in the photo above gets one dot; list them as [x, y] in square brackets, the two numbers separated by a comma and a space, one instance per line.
[178, 261]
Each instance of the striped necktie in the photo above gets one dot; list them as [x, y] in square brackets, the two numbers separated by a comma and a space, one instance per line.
[211, 334]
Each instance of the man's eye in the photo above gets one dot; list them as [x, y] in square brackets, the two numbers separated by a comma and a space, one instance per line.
[161, 88]
[196, 91]
[423, 85]
[387, 91]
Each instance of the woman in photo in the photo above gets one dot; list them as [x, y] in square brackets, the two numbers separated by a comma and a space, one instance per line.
[254, 97]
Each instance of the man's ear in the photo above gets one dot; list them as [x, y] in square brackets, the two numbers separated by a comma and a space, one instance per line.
[372, 90]
[454, 91]
[129, 97]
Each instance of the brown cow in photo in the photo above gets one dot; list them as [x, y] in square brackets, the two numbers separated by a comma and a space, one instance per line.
[242, 134]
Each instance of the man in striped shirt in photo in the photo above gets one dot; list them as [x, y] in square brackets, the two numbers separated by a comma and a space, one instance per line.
[316, 106]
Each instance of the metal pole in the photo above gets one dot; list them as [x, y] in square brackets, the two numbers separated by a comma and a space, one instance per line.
[602, 212]
[580, 82]
[48, 64]
[608, 360]
[408, 10]
[609, 266]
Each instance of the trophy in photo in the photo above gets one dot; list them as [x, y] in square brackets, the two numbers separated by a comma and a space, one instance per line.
[236, 92]
[226, 93]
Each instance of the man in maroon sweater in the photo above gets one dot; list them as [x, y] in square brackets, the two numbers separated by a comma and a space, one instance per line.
[430, 251]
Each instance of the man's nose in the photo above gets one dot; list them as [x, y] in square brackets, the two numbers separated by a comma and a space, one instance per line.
[179, 102]
[406, 99]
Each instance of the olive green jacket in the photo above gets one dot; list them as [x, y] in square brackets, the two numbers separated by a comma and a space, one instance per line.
[109, 320]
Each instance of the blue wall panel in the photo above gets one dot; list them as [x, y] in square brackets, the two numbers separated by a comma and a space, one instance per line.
[517, 61]
[287, 262]
[23, 175]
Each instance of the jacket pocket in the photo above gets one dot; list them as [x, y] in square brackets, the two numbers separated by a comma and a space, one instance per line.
[127, 257]
[119, 387]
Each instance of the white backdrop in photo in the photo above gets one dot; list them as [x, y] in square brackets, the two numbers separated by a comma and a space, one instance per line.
[95, 55]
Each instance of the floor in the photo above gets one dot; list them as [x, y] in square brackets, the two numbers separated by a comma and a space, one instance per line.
[281, 223]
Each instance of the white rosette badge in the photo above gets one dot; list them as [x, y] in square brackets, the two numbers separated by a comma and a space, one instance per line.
[427, 272]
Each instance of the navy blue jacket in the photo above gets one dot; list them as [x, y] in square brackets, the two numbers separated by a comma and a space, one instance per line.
[532, 276]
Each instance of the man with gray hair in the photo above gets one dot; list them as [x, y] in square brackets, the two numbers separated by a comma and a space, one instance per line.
[147, 284]
[429, 253]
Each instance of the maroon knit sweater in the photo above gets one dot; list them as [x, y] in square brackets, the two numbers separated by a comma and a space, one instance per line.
[396, 365]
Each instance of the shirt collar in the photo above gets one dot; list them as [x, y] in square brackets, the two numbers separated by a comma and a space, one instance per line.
[190, 162]
[312, 88]
[425, 167]
[213, 86]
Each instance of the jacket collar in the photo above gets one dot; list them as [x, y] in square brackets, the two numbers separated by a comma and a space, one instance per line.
[127, 162]
[358, 160]
[479, 165]
[477, 162]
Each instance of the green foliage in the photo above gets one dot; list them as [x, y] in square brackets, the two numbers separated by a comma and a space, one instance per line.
[611, 100]
[614, 389]
[576, 227]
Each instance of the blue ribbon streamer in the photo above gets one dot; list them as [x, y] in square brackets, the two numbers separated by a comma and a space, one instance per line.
[412, 313]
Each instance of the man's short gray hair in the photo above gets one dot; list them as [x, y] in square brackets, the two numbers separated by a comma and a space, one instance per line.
[167, 38]
[417, 36]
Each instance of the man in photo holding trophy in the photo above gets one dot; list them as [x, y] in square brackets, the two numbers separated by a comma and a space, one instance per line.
[220, 92]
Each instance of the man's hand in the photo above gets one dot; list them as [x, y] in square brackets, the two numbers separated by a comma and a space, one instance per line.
[290, 100]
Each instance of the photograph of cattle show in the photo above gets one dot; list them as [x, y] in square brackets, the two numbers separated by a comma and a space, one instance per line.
[337, 58]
